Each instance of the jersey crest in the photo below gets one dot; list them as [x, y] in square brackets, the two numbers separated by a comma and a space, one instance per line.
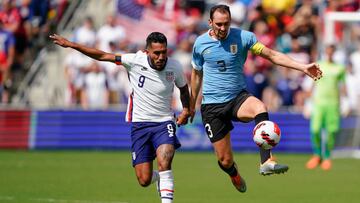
[233, 48]
[170, 76]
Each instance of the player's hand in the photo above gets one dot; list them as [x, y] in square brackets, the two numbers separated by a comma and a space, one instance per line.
[313, 70]
[182, 119]
[192, 115]
[59, 40]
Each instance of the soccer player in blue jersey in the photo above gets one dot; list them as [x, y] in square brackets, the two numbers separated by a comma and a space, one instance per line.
[218, 59]
[152, 78]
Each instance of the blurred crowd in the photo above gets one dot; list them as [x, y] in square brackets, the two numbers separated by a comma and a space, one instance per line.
[294, 27]
[24, 27]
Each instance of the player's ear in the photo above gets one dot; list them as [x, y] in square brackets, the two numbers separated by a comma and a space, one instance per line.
[146, 51]
[210, 22]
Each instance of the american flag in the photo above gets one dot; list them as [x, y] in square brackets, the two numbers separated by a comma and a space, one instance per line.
[139, 21]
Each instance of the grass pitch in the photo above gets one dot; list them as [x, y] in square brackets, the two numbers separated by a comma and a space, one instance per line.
[108, 177]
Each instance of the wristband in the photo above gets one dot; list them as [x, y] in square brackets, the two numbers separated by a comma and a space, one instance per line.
[118, 59]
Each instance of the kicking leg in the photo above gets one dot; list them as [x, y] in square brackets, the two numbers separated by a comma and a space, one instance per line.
[265, 154]
[252, 108]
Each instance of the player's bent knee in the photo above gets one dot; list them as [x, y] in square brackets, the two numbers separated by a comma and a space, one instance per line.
[260, 108]
[144, 181]
[226, 162]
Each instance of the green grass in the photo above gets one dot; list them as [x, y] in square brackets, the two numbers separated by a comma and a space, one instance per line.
[108, 177]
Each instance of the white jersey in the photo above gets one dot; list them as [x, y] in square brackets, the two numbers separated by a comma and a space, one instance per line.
[152, 90]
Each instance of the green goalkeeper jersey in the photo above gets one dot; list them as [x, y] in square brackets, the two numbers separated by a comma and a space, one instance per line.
[327, 89]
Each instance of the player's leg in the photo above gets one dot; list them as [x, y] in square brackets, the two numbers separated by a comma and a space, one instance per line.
[143, 165]
[316, 119]
[218, 125]
[143, 154]
[224, 152]
[332, 126]
[165, 154]
[226, 162]
[253, 109]
[144, 173]
[165, 142]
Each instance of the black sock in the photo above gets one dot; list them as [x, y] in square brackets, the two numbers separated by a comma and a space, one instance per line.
[265, 154]
[232, 171]
[261, 117]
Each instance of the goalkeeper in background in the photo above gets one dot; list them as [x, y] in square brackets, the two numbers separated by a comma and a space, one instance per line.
[325, 113]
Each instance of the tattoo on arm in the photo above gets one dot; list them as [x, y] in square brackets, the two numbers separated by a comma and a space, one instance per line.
[185, 96]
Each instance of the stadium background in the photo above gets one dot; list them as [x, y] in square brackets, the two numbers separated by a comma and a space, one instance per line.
[49, 140]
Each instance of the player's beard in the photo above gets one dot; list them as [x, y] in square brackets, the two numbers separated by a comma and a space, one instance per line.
[157, 66]
[160, 65]
[222, 34]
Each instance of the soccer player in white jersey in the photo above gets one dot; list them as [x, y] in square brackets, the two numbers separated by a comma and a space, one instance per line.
[152, 77]
[218, 59]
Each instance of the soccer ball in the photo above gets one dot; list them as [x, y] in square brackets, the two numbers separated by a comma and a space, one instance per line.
[266, 134]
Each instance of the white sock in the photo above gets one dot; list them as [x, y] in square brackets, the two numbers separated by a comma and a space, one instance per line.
[155, 177]
[166, 186]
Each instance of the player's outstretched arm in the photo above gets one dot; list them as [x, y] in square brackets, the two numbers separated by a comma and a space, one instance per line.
[91, 52]
[278, 58]
[182, 119]
[196, 80]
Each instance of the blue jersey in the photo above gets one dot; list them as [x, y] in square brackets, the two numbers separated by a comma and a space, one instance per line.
[222, 63]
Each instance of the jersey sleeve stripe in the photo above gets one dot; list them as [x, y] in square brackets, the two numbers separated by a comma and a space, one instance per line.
[195, 66]
[129, 108]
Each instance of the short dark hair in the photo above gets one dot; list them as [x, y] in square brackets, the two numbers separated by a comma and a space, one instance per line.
[221, 8]
[331, 45]
[156, 37]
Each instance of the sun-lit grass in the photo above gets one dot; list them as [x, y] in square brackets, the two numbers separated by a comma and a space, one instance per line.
[108, 177]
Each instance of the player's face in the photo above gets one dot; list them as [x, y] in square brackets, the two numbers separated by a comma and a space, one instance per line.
[330, 52]
[158, 55]
[220, 24]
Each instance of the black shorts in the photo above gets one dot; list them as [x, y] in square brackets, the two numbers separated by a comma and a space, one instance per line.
[217, 117]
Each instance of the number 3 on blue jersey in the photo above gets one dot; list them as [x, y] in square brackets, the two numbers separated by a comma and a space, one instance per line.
[141, 81]
[222, 66]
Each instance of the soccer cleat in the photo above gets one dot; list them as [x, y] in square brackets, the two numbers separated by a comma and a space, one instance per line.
[271, 167]
[239, 183]
[313, 162]
[326, 164]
